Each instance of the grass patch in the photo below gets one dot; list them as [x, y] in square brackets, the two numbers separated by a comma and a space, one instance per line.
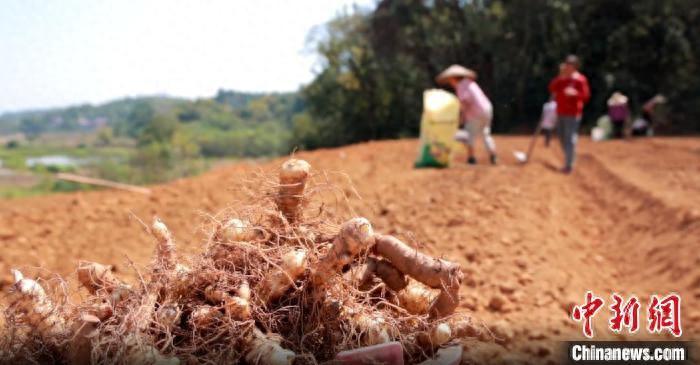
[45, 186]
[15, 158]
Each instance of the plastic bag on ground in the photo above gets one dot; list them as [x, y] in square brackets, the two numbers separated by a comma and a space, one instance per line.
[437, 128]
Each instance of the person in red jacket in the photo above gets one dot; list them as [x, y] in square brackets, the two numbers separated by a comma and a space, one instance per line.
[571, 92]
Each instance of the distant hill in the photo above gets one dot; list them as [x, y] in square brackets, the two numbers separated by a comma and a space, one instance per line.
[85, 117]
[152, 139]
[117, 113]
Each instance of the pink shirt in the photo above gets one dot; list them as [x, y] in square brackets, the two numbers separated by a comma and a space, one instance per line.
[475, 104]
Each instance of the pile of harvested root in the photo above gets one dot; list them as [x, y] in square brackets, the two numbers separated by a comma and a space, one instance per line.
[271, 287]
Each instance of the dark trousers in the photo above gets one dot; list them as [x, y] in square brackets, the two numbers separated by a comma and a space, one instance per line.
[568, 136]
[618, 128]
[640, 132]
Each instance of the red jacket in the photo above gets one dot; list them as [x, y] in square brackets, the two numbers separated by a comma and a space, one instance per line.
[570, 105]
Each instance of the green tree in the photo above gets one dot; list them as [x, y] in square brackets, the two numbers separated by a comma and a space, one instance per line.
[160, 129]
[307, 133]
[139, 116]
[105, 136]
[154, 161]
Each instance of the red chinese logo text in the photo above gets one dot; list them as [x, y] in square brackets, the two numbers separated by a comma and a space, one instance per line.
[663, 314]
[587, 311]
[626, 315]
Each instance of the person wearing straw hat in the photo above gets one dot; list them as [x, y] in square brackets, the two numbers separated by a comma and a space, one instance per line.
[618, 111]
[571, 91]
[476, 110]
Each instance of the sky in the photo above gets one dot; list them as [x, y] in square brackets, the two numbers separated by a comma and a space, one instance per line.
[59, 53]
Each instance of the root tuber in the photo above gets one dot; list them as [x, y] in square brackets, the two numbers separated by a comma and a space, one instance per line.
[40, 313]
[416, 298]
[97, 277]
[463, 326]
[237, 307]
[301, 272]
[266, 350]
[102, 310]
[281, 279]
[292, 183]
[435, 273]
[244, 290]
[361, 276]
[165, 250]
[204, 316]
[372, 327]
[438, 335]
[447, 301]
[390, 275]
[236, 230]
[355, 236]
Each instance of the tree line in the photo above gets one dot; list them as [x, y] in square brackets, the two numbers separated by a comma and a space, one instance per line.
[376, 64]
[178, 140]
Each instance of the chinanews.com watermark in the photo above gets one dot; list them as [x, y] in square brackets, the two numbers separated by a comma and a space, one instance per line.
[659, 315]
[609, 352]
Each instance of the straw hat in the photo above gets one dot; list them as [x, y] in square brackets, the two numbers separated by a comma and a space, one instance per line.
[660, 98]
[455, 71]
[617, 98]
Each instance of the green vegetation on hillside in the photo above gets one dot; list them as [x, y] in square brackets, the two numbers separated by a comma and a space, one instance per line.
[77, 118]
[148, 140]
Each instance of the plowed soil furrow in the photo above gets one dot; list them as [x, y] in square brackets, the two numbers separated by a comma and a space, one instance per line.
[530, 239]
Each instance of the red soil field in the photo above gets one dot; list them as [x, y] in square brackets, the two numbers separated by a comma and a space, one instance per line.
[531, 240]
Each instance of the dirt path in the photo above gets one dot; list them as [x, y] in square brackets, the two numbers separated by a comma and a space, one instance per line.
[531, 240]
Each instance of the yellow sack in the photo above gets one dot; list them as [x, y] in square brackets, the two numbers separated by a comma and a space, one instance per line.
[438, 125]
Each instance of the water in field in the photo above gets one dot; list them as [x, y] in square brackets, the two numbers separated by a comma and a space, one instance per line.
[54, 160]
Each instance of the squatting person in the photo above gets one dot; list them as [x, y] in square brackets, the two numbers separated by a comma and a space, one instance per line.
[476, 111]
[619, 112]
